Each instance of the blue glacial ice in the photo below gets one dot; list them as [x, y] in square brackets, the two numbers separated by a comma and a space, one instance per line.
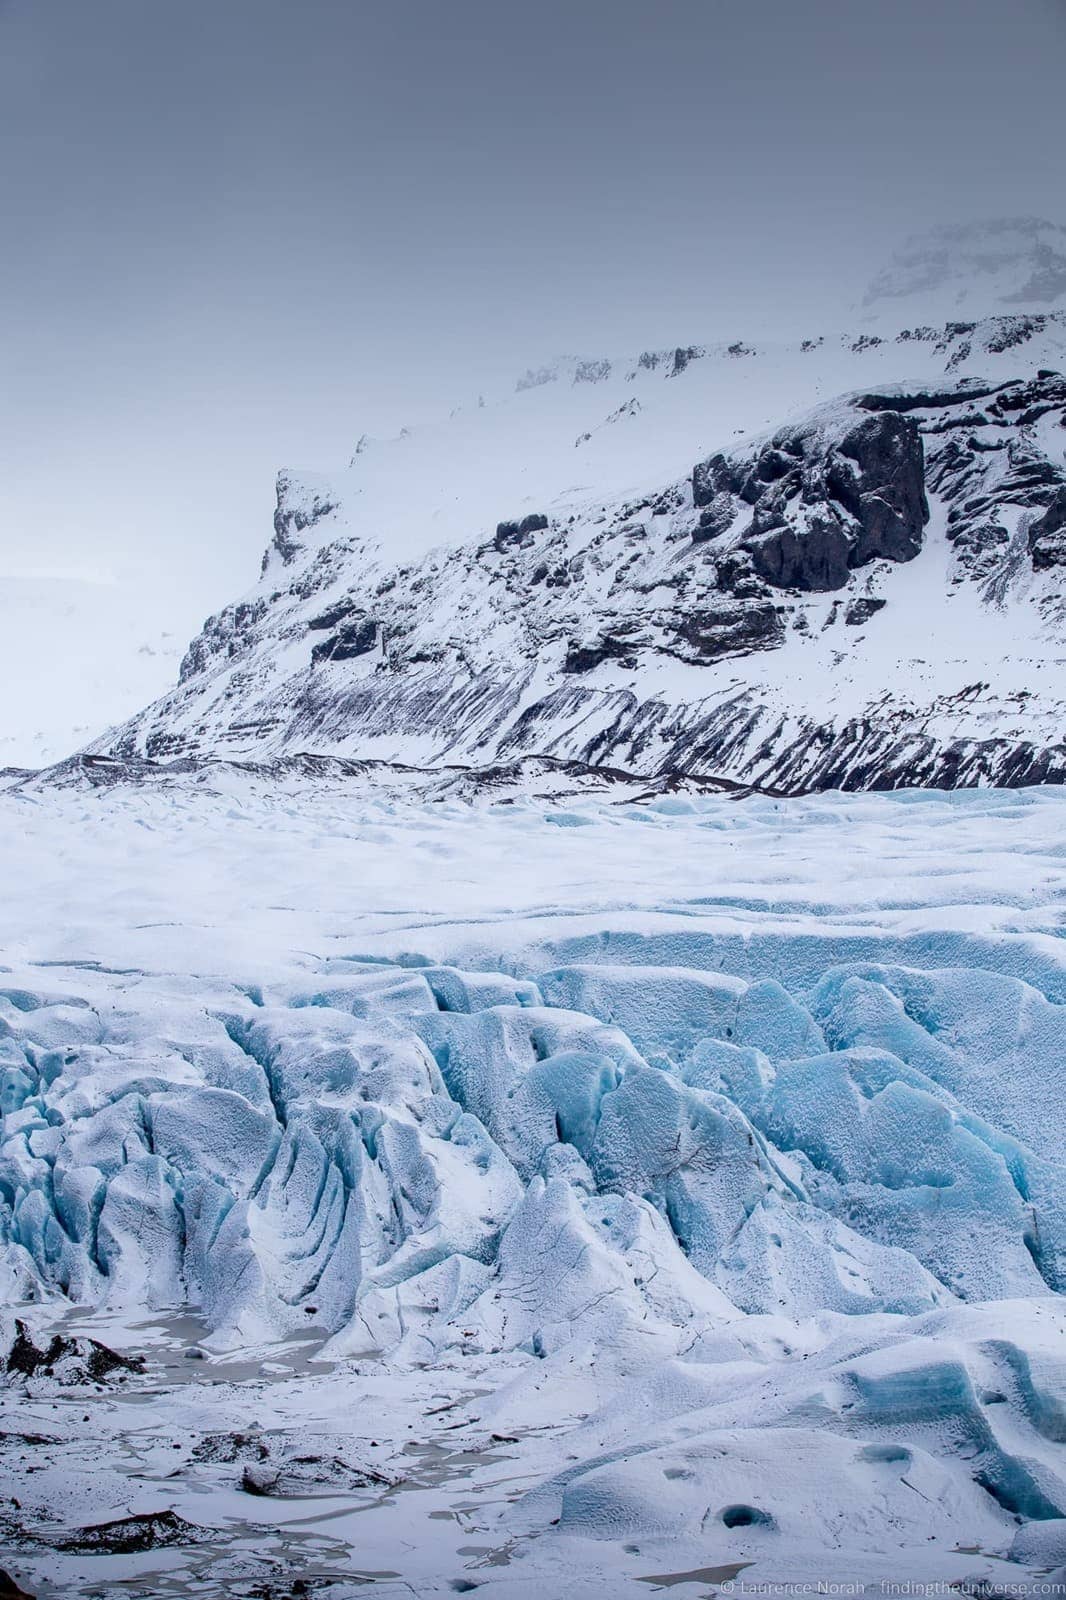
[801, 1189]
[275, 1153]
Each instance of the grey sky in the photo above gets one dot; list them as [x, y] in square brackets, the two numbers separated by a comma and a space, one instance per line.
[237, 233]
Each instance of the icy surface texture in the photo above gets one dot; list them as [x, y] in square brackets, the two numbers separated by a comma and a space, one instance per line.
[282, 1158]
[757, 1170]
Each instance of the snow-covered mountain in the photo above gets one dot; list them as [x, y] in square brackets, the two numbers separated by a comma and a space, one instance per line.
[837, 563]
[456, 1132]
[973, 269]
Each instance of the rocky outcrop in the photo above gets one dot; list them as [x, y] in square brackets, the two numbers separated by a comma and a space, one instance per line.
[68, 1361]
[878, 474]
[334, 614]
[731, 628]
[296, 511]
[356, 637]
[862, 608]
[823, 501]
[1047, 535]
[814, 556]
[520, 532]
[582, 655]
[224, 637]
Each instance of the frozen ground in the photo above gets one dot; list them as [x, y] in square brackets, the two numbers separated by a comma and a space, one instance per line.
[549, 1199]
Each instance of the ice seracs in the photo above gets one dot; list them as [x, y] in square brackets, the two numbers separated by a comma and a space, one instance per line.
[720, 1214]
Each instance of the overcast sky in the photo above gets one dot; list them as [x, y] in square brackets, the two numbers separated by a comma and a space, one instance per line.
[238, 233]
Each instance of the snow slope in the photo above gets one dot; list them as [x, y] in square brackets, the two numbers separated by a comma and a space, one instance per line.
[554, 1198]
[867, 594]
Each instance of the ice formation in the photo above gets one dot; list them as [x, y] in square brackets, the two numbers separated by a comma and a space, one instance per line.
[740, 1203]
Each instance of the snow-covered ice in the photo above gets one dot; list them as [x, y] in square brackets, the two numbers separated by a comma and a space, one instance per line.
[551, 1198]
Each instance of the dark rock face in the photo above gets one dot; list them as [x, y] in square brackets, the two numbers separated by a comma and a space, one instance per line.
[885, 492]
[927, 399]
[822, 503]
[519, 533]
[715, 518]
[1047, 536]
[977, 536]
[583, 655]
[862, 609]
[730, 629]
[682, 356]
[989, 462]
[814, 558]
[1025, 402]
[717, 475]
[736, 575]
[355, 638]
[332, 616]
[979, 546]
[225, 635]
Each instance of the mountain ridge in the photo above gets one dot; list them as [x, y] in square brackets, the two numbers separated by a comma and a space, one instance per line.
[763, 616]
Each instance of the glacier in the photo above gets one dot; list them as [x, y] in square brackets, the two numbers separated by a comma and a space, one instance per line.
[669, 1196]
